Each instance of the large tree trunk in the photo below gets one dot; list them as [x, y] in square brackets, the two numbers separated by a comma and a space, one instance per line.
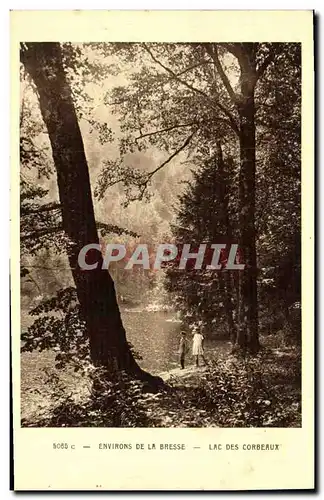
[247, 337]
[95, 289]
[245, 53]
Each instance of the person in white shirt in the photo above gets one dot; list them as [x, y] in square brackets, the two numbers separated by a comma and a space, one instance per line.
[197, 347]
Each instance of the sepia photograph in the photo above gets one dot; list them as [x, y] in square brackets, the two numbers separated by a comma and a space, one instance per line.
[160, 234]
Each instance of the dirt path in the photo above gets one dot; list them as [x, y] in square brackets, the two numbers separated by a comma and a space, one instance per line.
[178, 372]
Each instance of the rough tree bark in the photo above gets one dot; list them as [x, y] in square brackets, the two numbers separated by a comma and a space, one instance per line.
[95, 289]
[247, 336]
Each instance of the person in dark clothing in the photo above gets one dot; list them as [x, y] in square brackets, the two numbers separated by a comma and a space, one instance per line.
[183, 349]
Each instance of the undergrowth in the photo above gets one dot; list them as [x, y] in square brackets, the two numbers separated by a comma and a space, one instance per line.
[263, 391]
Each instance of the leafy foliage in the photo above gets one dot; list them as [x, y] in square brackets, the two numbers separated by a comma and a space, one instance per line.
[203, 216]
[59, 327]
[263, 391]
[240, 394]
[173, 100]
[118, 403]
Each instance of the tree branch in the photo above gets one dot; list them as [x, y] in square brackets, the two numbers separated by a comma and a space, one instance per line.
[48, 268]
[30, 278]
[41, 232]
[175, 76]
[214, 56]
[167, 129]
[203, 63]
[107, 228]
[268, 60]
[46, 208]
[231, 120]
[194, 89]
[113, 229]
[181, 148]
[234, 48]
[143, 186]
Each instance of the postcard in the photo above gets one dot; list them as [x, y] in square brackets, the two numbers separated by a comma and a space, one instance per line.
[162, 218]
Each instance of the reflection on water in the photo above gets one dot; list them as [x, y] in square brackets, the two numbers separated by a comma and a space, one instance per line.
[155, 336]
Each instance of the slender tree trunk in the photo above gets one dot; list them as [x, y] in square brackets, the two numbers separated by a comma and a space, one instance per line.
[95, 289]
[225, 280]
[226, 292]
[229, 287]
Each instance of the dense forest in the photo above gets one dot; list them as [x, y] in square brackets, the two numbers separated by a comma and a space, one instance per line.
[160, 143]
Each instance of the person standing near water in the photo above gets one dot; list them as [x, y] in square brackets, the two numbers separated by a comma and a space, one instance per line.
[197, 347]
[182, 349]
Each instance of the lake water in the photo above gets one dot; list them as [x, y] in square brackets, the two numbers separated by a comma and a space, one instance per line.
[155, 336]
